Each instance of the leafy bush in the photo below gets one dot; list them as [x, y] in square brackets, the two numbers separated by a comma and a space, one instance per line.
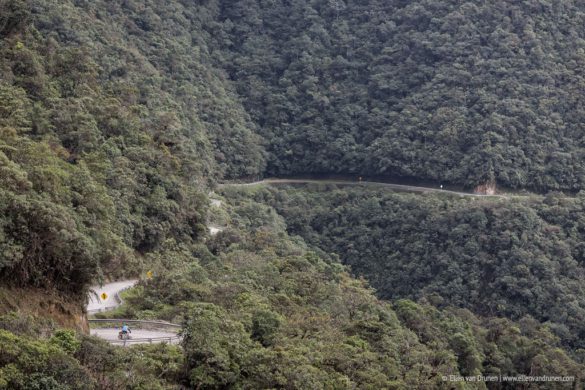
[31, 364]
[66, 340]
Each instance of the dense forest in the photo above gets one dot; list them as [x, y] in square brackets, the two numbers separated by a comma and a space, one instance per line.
[261, 311]
[108, 136]
[118, 118]
[496, 257]
[457, 91]
[116, 115]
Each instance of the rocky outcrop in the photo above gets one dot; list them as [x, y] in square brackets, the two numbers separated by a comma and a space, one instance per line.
[488, 188]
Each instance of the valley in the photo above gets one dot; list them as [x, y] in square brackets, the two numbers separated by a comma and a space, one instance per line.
[378, 194]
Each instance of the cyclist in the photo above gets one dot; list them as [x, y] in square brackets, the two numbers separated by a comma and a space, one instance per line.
[126, 329]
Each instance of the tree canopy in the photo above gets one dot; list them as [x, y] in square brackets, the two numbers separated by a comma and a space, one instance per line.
[118, 118]
[497, 257]
[453, 91]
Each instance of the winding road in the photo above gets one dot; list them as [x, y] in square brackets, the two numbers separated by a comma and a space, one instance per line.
[96, 304]
[392, 186]
[110, 333]
[112, 290]
[139, 336]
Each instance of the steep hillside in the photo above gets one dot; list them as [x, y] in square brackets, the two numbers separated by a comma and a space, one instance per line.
[111, 124]
[262, 311]
[499, 257]
[118, 117]
[453, 91]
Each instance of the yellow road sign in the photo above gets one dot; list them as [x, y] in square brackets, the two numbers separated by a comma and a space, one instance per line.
[104, 296]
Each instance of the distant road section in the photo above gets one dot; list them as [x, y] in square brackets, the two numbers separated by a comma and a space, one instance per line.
[112, 290]
[391, 186]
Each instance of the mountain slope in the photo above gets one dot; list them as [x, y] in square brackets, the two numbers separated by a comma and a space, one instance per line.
[117, 118]
[453, 91]
[108, 134]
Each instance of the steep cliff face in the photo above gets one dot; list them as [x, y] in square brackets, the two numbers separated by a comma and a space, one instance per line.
[40, 303]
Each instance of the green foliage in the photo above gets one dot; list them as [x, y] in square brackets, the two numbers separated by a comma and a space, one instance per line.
[59, 224]
[14, 15]
[30, 364]
[34, 356]
[265, 324]
[265, 312]
[215, 347]
[115, 118]
[106, 144]
[141, 367]
[489, 347]
[66, 340]
[451, 91]
[507, 258]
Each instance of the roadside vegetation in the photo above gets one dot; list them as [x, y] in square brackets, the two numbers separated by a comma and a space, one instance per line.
[37, 355]
[260, 309]
[496, 257]
[117, 119]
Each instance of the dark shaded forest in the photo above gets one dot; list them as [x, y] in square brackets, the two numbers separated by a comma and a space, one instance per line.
[146, 103]
[496, 257]
[453, 91]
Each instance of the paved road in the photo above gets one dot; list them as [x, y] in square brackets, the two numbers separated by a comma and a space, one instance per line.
[139, 336]
[98, 304]
[396, 187]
